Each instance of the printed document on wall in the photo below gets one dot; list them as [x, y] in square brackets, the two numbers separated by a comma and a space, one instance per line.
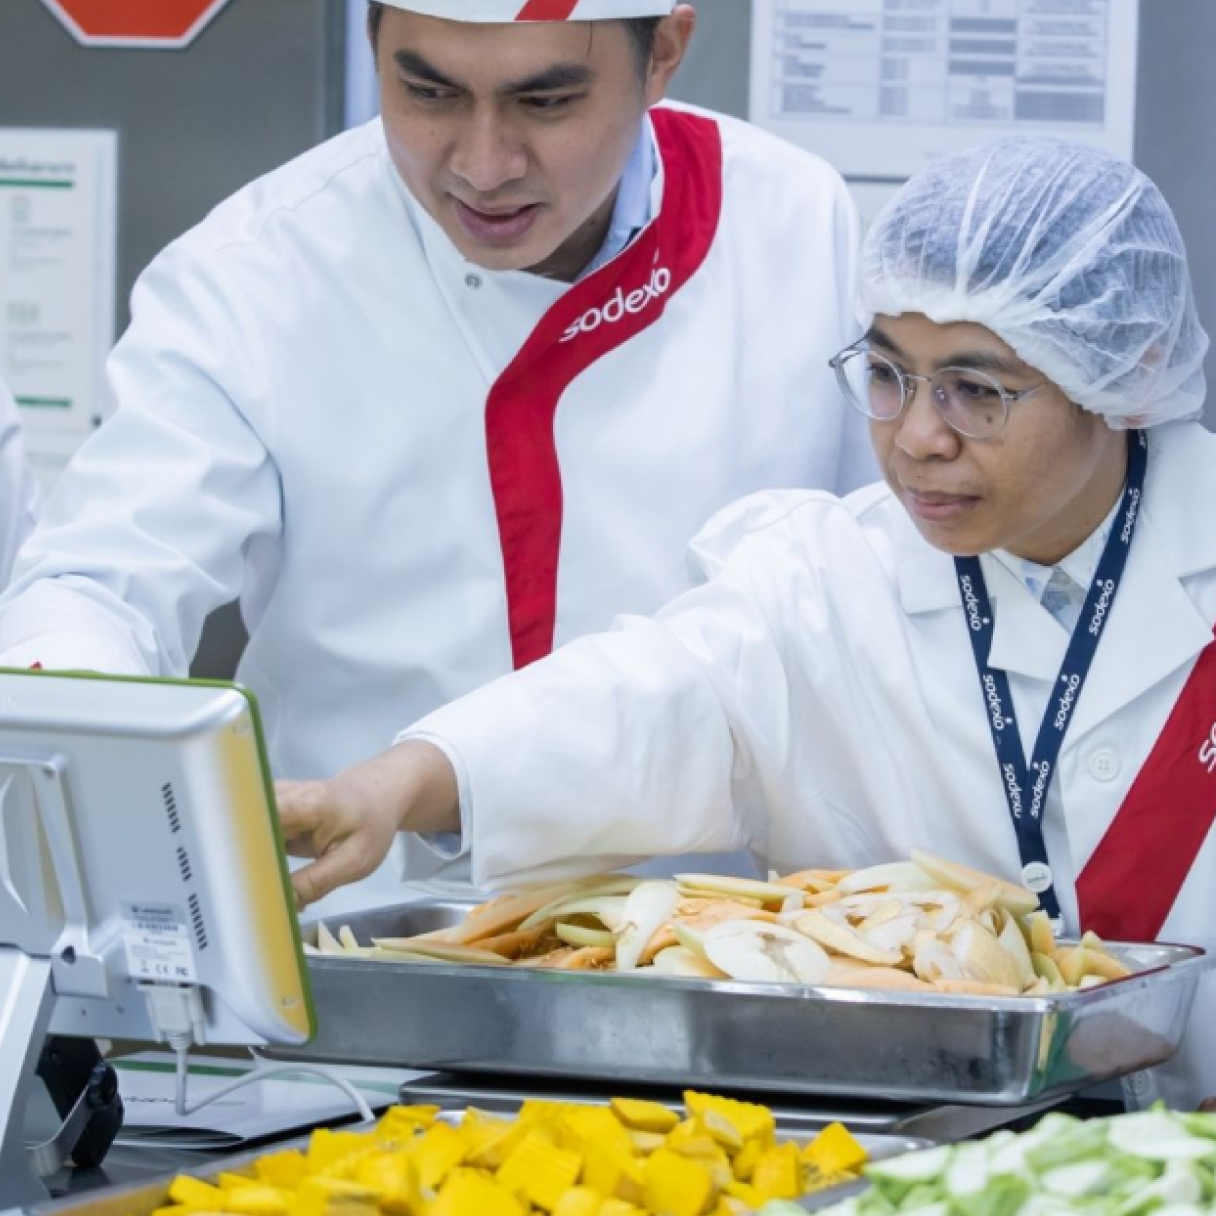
[881, 87]
[58, 197]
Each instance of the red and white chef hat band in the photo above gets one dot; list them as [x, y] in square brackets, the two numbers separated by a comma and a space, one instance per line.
[536, 10]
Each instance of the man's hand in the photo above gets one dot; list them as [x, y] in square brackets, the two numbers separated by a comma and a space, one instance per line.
[348, 823]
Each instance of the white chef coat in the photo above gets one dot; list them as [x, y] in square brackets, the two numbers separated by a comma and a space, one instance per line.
[19, 494]
[303, 421]
[817, 701]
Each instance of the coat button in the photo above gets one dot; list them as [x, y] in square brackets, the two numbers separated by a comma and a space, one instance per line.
[1103, 764]
[472, 281]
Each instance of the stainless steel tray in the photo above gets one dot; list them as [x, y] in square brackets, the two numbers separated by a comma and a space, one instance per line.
[633, 1028]
[143, 1198]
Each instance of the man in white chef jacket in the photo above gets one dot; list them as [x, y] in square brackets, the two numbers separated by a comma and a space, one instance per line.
[1004, 653]
[455, 386]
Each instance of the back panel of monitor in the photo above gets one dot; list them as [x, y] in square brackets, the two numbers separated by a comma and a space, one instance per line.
[180, 864]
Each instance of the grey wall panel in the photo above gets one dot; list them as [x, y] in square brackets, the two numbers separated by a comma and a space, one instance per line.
[261, 84]
[1175, 115]
[715, 74]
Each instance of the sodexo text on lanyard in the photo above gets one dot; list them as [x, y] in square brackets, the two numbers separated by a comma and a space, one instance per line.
[1026, 787]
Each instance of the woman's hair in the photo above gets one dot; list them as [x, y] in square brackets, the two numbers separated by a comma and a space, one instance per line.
[641, 31]
[1068, 254]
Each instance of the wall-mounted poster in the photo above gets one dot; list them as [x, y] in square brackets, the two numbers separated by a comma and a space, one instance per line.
[58, 197]
[881, 87]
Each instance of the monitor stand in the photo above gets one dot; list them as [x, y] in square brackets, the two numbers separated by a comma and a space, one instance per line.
[26, 1000]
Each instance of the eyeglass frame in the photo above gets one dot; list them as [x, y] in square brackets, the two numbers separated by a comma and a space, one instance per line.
[909, 383]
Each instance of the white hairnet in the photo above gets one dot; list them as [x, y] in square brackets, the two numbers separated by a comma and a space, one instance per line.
[1068, 254]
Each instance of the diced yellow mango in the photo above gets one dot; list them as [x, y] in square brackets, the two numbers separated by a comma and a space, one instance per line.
[778, 1173]
[676, 1185]
[746, 1158]
[540, 1171]
[327, 1149]
[400, 1123]
[228, 1181]
[712, 1159]
[469, 1193]
[555, 1159]
[646, 1142]
[620, 1207]
[477, 1126]
[749, 1118]
[746, 1194]
[698, 1144]
[723, 1129]
[835, 1150]
[318, 1196]
[281, 1169]
[728, 1206]
[644, 1116]
[579, 1201]
[683, 1130]
[494, 1145]
[585, 1126]
[437, 1152]
[195, 1193]
[394, 1179]
[612, 1172]
[542, 1113]
[258, 1200]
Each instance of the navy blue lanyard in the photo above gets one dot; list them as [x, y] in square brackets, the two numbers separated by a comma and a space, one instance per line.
[1026, 788]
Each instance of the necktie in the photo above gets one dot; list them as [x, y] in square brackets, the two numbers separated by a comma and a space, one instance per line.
[1063, 598]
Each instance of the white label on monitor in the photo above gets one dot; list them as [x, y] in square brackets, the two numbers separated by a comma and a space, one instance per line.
[157, 941]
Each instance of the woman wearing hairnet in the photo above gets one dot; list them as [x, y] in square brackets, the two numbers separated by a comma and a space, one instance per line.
[1005, 653]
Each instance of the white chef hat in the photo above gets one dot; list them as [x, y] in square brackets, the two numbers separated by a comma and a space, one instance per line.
[1068, 254]
[498, 11]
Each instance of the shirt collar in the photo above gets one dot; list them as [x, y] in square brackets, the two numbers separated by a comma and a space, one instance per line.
[1080, 565]
[634, 207]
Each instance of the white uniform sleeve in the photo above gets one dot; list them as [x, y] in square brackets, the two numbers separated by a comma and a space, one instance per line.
[19, 495]
[656, 739]
[148, 528]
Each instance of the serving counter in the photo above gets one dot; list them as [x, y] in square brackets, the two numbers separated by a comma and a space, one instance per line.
[901, 1070]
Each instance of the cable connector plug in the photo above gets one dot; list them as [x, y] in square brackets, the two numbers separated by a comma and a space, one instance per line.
[176, 1013]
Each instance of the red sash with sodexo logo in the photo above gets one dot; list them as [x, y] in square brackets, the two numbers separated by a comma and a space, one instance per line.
[1129, 885]
[592, 319]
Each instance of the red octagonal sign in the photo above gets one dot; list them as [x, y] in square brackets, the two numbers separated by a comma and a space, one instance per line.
[135, 23]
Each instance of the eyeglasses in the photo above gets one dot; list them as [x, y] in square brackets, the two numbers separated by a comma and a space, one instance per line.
[970, 402]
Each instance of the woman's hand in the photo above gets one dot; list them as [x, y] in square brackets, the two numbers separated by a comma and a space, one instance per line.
[348, 823]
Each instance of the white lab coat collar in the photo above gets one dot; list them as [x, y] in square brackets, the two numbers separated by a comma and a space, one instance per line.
[1174, 538]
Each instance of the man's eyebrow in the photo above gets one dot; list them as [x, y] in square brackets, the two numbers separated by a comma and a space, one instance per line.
[550, 79]
[559, 76]
[979, 360]
[416, 65]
